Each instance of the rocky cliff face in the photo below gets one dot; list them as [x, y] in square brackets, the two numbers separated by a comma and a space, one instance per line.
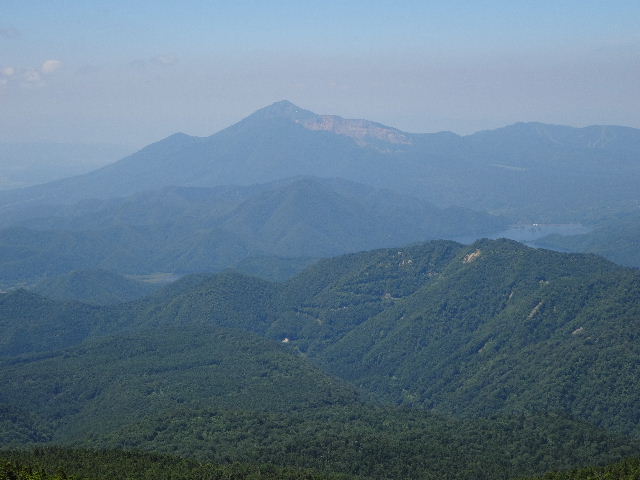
[362, 131]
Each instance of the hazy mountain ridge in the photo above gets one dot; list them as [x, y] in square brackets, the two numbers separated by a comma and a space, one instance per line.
[615, 238]
[526, 170]
[183, 230]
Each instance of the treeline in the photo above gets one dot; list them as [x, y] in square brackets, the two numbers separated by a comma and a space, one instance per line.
[74, 464]
[626, 470]
[86, 464]
[374, 441]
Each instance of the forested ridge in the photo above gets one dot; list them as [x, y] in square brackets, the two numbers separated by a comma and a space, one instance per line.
[436, 360]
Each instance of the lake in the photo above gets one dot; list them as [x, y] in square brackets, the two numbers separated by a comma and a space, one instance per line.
[529, 233]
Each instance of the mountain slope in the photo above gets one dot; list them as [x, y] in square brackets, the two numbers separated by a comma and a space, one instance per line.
[104, 384]
[378, 441]
[528, 348]
[615, 238]
[628, 469]
[530, 171]
[97, 287]
[31, 323]
[495, 327]
[505, 328]
[184, 230]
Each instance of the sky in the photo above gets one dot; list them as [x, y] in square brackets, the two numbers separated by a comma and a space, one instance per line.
[131, 73]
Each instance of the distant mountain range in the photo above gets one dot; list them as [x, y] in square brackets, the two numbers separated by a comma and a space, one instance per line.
[527, 171]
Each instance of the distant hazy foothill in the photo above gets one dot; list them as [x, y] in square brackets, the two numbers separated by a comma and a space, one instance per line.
[614, 237]
[182, 230]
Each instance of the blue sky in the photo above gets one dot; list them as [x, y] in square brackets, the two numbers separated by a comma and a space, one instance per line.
[133, 72]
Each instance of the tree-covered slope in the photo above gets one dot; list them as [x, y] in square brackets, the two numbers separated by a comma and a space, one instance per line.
[355, 440]
[514, 341]
[491, 327]
[96, 287]
[35, 324]
[377, 441]
[330, 298]
[32, 323]
[506, 328]
[107, 383]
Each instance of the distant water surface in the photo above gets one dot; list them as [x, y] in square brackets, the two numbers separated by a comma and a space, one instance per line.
[529, 233]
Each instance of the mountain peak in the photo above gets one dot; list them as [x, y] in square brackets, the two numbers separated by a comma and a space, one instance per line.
[363, 132]
[284, 109]
[284, 105]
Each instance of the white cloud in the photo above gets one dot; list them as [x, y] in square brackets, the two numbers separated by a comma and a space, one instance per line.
[28, 77]
[50, 66]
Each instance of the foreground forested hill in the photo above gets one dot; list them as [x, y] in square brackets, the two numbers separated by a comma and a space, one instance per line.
[96, 287]
[436, 360]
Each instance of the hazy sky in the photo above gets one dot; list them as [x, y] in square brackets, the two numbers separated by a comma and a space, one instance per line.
[133, 72]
